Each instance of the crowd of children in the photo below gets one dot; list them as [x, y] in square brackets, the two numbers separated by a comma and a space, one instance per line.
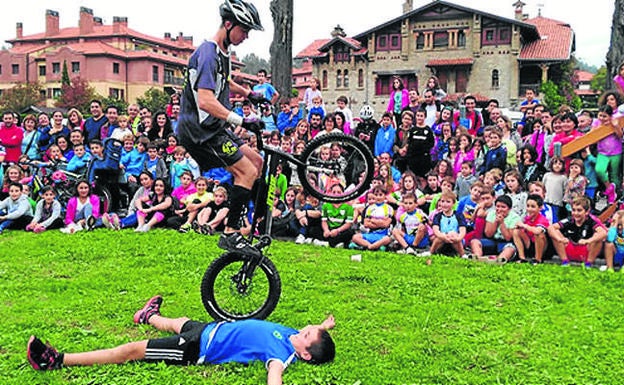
[498, 192]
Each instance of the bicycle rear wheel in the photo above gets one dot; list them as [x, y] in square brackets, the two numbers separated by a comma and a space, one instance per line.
[229, 294]
[350, 164]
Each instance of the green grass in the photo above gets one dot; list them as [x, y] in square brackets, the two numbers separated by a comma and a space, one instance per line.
[399, 320]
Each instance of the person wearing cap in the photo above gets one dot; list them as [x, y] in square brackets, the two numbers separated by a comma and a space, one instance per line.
[206, 118]
[500, 224]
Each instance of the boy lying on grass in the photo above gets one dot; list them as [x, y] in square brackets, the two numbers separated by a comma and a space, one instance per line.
[203, 343]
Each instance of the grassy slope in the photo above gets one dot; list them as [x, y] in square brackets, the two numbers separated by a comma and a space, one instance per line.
[399, 320]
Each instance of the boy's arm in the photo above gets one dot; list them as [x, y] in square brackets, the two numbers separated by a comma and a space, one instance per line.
[274, 374]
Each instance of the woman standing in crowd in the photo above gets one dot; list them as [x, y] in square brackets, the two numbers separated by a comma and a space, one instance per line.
[433, 84]
[30, 142]
[75, 120]
[160, 128]
[399, 99]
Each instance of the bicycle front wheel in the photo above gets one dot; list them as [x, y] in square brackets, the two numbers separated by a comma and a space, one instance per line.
[336, 159]
[229, 292]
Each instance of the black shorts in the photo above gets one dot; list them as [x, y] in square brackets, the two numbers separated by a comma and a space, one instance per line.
[222, 150]
[181, 349]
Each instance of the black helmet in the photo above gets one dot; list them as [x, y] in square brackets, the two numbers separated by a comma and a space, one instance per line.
[241, 12]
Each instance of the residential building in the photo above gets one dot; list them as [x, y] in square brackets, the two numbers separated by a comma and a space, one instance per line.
[469, 50]
[117, 61]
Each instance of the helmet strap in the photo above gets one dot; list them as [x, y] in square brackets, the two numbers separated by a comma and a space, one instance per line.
[227, 41]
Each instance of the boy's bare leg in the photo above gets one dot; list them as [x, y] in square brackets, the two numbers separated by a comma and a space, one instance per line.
[420, 235]
[165, 324]
[520, 239]
[477, 249]
[399, 236]
[609, 253]
[506, 254]
[560, 248]
[382, 242]
[540, 246]
[593, 249]
[435, 245]
[458, 247]
[132, 351]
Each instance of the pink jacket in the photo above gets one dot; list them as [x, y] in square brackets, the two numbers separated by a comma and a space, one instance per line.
[72, 205]
[11, 139]
[563, 138]
[404, 100]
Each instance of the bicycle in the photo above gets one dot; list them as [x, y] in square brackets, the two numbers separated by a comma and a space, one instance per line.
[236, 286]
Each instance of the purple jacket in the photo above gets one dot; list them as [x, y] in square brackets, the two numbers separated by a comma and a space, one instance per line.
[404, 100]
[72, 205]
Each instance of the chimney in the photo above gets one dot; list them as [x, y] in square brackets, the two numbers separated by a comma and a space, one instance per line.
[338, 31]
[52, 23]
[86, 21]
[120, 24]
[518, 10]
[19, 30]
[97, 21]
[168, 35]
[408, 6]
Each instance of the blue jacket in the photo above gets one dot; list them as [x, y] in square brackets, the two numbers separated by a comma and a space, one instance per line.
[133, 161]
[285, 121]
[384, 140]
[494, 158]
[79, 164]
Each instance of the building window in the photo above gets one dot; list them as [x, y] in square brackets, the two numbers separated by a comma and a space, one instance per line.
[56, 93]
[169, 76]
[116, 93]
[382, 43]
[395, 41]
[116, 68]
[420, 41]
[345, 78]
[389, 42]
[15, 69]
[496, 36]
[495, 79]
[324, 79]
[56, 68]
[42, 94]
[340, 57]
[440, 39]
[75, 67]
[42, 70]
[461, 39]
[155, 73]
[338, 79]
[360, 78]
[0, 69]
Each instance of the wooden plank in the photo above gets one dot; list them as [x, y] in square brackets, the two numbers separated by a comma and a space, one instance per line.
[596, 134]
[608, 213]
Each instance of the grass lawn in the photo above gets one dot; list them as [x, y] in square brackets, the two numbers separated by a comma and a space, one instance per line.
[399, 320]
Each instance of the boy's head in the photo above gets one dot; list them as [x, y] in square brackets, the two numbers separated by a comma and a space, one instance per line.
[79, 150]
[314, 345]
[142, 144]
[537, 188]
[123, 120]
[447, 200]
[409, 202]
[466, 168]
[179, 153]
[487, 196]
[380, 194]
[534, 205]
[128, 142]
[96, 147]
[580, 206]
[448, 183]
[152, 151]
[503, 205]
[342, 101]
[15, 190]
[317, 100]
[475, 191]
[386, 119]
[495, 138]
[432, 180]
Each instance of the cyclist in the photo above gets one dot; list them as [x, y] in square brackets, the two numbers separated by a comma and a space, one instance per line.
[206, 116]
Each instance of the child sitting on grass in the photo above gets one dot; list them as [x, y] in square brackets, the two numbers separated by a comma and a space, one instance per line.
[449, 228]
[614, 246]
[336, 222]
[377, 219]
[580, 237]
[411, 230]
[530, 235]
[15, 210]
[485, 205]
[498, 233]
[47, 212]
[203, 343]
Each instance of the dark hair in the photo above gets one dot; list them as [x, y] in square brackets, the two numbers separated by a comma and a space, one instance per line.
[330, 116]
[532, 151]
[262, 71]
[570, 116]
[81, 181]
[603, 98]
[17, 184]
[112, 106]
[470, 97]
[606, 109]
[504, 199]
[342, 115]
[99, 102]
[165, 183]
[45, 189]
[401, 86]
[537, 199]
[322, 351]
[343, 99]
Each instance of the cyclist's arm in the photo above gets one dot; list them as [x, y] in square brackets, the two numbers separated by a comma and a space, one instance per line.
[238, 89]
[209, 103]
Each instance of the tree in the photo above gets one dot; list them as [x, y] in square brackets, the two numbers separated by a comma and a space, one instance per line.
[21, 96]
[121, 104]
[281, 47]
[78, 94]
[615, 55]
[599, 81]
[65, 75]
[154, 99]
[254, 63]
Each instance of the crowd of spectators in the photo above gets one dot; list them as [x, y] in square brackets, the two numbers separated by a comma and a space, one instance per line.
[448, 179]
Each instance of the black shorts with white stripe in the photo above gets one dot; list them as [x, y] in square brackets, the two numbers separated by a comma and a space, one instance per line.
[181, 349]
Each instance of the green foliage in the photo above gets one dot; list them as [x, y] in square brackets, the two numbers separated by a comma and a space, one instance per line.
[77, 94]
[110, 101]
[254, 63]
[154, 99]
[294, 93]
[65, 75]
[399, 320]
[21, 96]
[552, 98]
[599, 81]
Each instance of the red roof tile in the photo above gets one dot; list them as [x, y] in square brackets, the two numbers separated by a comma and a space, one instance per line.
[313, 50]
[556, 43]
[450, 62]
[583, 76]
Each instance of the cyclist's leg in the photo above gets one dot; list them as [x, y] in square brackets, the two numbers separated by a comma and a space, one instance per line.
[245, 173]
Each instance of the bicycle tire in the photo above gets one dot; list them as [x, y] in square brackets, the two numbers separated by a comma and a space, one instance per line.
[357, 148]
[105, 198]
[225, 303]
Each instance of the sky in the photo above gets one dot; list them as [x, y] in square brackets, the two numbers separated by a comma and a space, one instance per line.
[312, 19]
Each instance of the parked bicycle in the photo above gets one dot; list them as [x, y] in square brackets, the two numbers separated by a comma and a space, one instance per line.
[238, 286]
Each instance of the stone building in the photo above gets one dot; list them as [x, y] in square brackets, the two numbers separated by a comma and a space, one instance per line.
[117, 61]
[469, 50]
